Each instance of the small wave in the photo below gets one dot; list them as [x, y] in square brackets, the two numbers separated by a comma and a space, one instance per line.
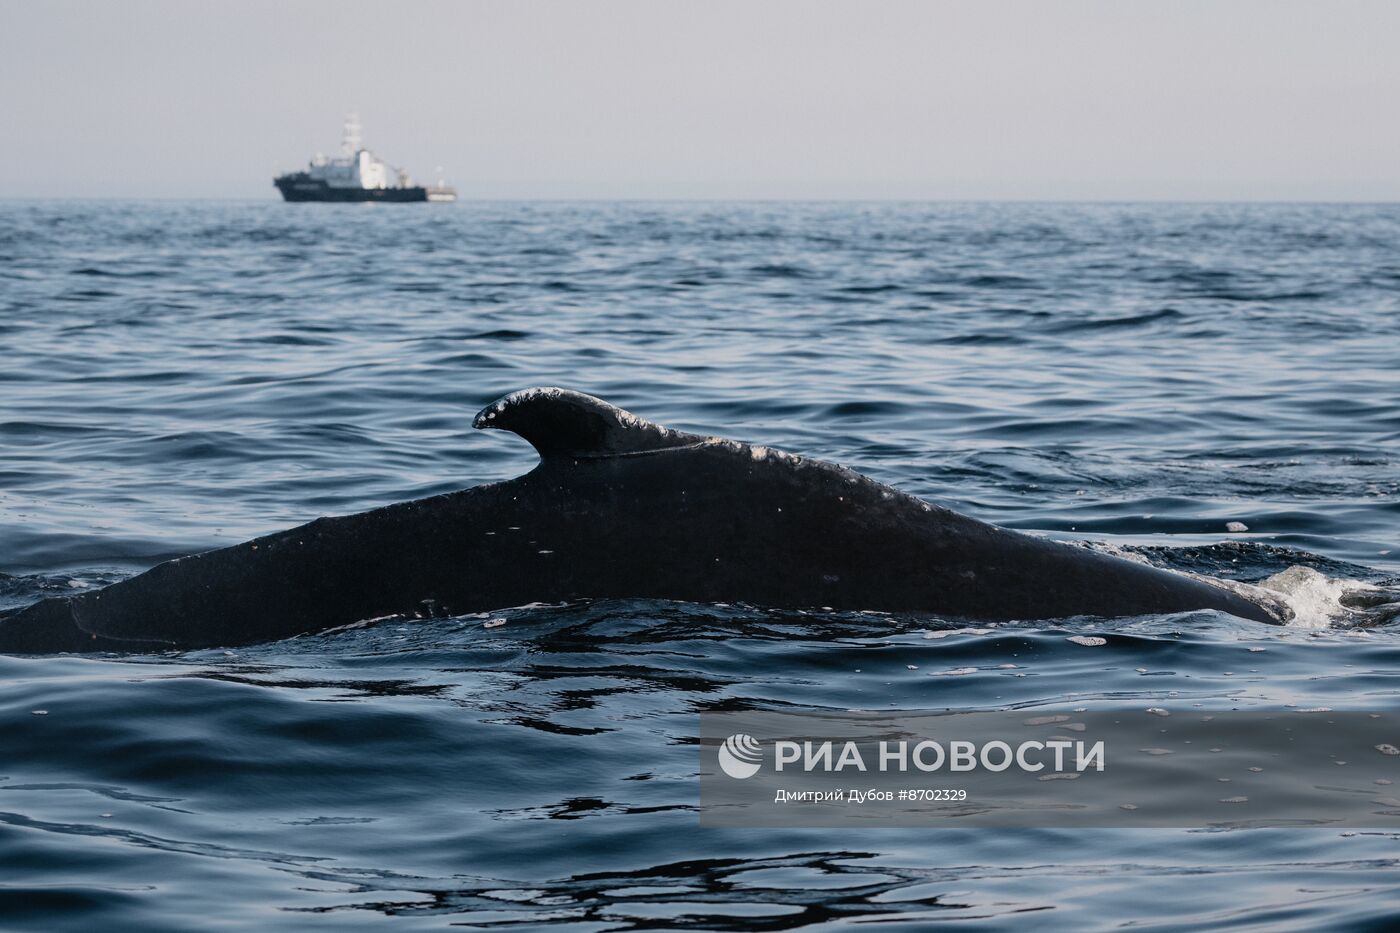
[781, 271]
[1115, 323]
[110, 273]
[28, 429]
[290, 340]
[870, 289]
[999, 281]
[857, 409]
[982, 340]
[21, 590]
[500, 334]
[87, 294]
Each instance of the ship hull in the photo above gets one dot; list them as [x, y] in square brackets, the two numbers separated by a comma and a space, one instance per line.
[302, 187]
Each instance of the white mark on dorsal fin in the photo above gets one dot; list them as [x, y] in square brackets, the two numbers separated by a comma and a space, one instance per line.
[561, 422]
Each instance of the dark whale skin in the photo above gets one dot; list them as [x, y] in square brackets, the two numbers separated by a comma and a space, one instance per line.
[617, 507]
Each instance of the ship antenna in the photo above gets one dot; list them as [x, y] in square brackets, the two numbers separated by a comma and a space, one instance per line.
[350, 140]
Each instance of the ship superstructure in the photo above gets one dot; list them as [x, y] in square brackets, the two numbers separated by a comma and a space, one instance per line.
[356, 174]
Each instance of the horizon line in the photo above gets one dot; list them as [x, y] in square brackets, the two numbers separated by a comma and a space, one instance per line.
[732, 200]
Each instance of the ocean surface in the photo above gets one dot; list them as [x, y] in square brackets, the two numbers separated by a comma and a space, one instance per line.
[178, 376]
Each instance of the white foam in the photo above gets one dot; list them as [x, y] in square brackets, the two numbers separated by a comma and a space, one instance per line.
[1108, 547]
[944, 633]
[1315, 598]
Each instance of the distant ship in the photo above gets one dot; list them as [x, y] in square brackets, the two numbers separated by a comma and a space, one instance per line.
[356, 175]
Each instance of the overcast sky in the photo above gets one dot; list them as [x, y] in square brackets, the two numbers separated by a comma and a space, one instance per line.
[1054, 99]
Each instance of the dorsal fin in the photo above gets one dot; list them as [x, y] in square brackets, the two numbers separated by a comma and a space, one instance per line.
[564, 423]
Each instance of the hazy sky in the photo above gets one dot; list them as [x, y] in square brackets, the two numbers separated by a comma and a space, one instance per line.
[1059, 99]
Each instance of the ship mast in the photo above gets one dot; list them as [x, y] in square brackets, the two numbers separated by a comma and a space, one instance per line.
[350, 138]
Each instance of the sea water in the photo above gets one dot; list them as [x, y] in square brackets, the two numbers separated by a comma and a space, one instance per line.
[1211, 388]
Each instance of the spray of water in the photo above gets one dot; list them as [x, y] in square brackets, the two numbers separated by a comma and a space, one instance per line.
[1319, 601]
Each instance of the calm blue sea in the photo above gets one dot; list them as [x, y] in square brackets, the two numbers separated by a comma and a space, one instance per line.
[176, 376]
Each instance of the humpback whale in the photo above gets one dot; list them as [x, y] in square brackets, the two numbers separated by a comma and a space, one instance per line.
[618, 507]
